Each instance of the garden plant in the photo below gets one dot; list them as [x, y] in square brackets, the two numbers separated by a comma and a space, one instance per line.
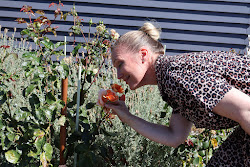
[30, 102]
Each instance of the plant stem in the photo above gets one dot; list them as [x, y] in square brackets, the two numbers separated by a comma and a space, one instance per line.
[96, 75]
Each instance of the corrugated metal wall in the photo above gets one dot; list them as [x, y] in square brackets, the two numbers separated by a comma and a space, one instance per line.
[187, 25]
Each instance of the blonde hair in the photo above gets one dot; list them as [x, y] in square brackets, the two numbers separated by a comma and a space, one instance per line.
[147, 35]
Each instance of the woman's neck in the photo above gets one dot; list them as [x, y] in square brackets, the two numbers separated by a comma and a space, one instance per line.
[150, 76]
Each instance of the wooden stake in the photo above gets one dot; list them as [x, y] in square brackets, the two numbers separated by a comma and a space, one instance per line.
[63, 128]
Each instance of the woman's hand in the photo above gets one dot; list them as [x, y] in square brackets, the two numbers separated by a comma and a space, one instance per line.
[112, 103]
[120, 109]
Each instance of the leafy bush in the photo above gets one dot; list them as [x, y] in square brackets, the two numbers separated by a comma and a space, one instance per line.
[31, 94]
[200, 146]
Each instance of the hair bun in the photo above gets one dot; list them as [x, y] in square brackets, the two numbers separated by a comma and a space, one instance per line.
[151, 30]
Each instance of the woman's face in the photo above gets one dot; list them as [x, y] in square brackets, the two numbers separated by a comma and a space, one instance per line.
[130, 67]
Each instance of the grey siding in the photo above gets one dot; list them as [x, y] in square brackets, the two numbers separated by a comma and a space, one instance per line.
[187, 25]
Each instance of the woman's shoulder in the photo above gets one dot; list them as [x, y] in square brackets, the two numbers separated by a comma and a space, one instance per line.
[205, 58]
[208, 57]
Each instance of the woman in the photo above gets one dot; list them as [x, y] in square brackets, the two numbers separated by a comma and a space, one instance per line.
[208, 89]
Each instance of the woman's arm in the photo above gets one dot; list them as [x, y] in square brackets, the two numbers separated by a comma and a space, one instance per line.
[236, 106]
[173, 135]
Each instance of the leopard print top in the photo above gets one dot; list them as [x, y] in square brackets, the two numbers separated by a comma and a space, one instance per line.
[193, 83]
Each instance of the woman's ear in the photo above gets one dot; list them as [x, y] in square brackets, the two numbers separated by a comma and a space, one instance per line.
[143, 54]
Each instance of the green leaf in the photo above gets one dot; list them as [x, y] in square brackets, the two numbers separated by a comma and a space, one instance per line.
[66, 69]
[36, 78]
[12, 156]
[76, 49]
[205, 145]
[10, 129]
[200, 144]
[39, 113]
[181, 148]
[61, 120]
[32, 34]
[28, 73]
[196, 161]
[89, 78]
[202, 153]
[90, 105]
[58, 44]
[48, 151]
[25, 32]
[52, 78]
[29, 54]
[48, 44]
[32, 154]
[39, 133]
[2, 126]
[48, 113]
[36, 40]
[2, 137]
[34, 101]
[58, 53]
[48, 148]
[39, 143]
[10, 136]
[3, 97]
[21, 115]
[218, 138]
[50, 98]
[41, 69]
[33, 56]
[29, 89]
[195, 153]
